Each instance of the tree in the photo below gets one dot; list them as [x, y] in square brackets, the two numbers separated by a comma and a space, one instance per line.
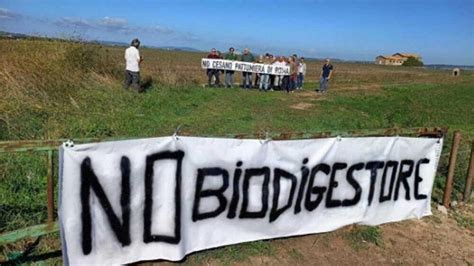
[412, 61]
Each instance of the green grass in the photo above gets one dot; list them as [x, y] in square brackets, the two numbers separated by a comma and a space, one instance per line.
[105, 112]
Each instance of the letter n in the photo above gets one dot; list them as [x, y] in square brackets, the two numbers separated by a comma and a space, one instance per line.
[90, 181]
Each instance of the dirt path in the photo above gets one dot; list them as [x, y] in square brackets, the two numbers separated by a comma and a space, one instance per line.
[437, 240]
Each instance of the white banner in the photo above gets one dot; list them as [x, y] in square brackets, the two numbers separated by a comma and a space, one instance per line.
[163, 198]
[222, 64]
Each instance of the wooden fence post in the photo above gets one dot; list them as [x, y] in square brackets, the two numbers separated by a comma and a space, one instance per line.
[50, 191]
[448, 187]
[469, 177]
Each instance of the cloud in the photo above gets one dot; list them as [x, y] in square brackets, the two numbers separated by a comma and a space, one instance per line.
[121, 26]
[74, 23]
[113, 23]
[7, 14]
[163, 30]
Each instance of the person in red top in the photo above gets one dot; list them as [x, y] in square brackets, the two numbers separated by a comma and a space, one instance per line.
[213, 72]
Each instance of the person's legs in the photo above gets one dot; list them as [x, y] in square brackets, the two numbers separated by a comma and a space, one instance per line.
[248, 80]
[284, 84]
[299, 81]
[244, 79]
[280, 82]
[231, 79]
[226, 79]
[128, 80]
[292, 84]
[217, 74]
[326, 85]
[136, 81]
[209, 77]
[265, 82]
[321, 81]
[323, 85]
[271, 81]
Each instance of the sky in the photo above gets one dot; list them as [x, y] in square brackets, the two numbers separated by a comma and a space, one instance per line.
[441, 31]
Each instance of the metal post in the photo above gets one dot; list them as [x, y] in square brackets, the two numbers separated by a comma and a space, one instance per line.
[448, 187]
[469, 177]
[50, 166]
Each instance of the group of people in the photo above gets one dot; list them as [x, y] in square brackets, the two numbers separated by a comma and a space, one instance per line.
[264, 82]
[267, 82]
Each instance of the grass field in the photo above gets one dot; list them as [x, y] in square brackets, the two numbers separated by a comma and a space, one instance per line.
[69, 90]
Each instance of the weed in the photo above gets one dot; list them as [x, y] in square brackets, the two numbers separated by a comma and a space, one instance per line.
[463, 219]
[234, 253]
[360, 236]
[295, 255]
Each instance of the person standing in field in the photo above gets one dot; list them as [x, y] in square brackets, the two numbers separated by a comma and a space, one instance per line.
[257, 75]
[264, 78]
[326, 74]
[213, 72]
[285, 81]
[229, 74]
[247, 76]
[271, 79]
[301, 74]
[278, 79]
[132, 66]
[291, 86]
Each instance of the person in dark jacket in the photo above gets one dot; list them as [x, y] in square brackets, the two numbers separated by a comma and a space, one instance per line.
[213, 72]
[247, 76]
[229, 74]
[326, 74]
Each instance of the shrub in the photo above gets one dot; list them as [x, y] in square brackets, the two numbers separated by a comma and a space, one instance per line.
[412, 61]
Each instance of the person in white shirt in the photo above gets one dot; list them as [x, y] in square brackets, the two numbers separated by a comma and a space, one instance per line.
[301, 74]
[279, 78]
[132, 68]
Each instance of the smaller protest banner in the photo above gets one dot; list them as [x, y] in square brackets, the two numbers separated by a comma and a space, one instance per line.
[222, 64]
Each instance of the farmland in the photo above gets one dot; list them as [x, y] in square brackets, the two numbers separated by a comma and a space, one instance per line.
[56, 89]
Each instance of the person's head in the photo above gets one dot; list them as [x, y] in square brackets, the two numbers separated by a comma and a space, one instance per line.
[302, 59]
[281, 58]
[231, 50]
[246, 51]
[213, 51]
[295, 56]
[260, 57]
[327, 61]
[291, 59]
[135, 43]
